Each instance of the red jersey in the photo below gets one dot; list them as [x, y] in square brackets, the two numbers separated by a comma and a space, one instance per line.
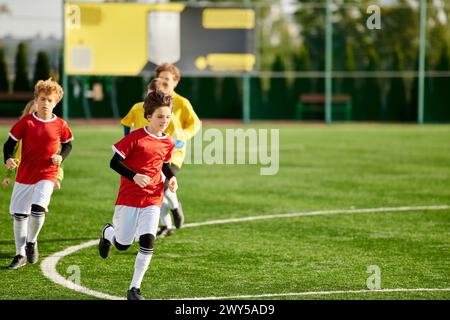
[144, 153]
[40, 141]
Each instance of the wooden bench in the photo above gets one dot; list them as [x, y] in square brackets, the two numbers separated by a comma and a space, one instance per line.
[315, 102]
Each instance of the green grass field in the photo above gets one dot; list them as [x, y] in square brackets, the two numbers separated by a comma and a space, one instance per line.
[321, 168]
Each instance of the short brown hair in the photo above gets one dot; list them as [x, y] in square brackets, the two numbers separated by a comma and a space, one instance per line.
[160, 84]
[156, 99]
[170, 68]
[48, 87]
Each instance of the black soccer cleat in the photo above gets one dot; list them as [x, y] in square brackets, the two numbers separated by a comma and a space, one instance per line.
[32, 252]
[134, 294]
[104, 245]
[164, 232]
[18, 262]
[178, 216]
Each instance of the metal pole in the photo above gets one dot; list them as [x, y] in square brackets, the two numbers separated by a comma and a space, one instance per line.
[114, 106]
[422, 44]
[246, 98]
[246, 88]
[65, 82]
[328, 62]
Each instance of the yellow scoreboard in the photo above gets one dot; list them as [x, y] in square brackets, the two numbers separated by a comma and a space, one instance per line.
[128, 39]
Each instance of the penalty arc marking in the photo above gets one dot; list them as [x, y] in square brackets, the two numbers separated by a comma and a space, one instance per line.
[48, 265]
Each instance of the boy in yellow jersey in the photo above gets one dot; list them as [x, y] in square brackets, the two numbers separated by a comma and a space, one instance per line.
[183, 126]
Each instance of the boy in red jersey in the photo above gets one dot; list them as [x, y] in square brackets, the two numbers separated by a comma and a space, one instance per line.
[42, 133]
[139, 158]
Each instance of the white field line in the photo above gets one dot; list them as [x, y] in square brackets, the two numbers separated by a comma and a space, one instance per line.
[315, 213]
[48, 265]
[316, 293]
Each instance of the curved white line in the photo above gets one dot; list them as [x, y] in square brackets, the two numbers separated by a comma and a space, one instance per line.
[48, 265]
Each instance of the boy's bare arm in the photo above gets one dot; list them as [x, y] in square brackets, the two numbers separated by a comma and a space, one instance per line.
[173, 184]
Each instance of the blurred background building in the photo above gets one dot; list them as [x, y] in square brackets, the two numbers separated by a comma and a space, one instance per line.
[374, 71]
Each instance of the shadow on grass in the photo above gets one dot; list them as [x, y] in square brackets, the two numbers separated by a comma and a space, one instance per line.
[6, 255]
[66, 240]
[11, 242]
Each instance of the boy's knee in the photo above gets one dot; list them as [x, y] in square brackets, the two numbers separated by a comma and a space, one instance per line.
[147, 241]
[20, 216]
[37, 210]
[121, 247]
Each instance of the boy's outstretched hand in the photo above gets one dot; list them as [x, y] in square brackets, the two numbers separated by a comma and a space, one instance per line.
[6, 182]
[173, 184]
[141, 180]
[56, 159]
[11, 164]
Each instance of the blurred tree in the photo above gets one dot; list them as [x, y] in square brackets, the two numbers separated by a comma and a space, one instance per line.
[42, 67]
[311, 21]
[401, 25]
[277, 35]
[438, 34]
[21, 81]
[4, 83]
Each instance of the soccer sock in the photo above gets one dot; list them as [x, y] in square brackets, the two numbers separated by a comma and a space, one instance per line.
[141, 264]
[109, 234]
[20, 233]
[172, 198]
[166, 219]
[35, 225]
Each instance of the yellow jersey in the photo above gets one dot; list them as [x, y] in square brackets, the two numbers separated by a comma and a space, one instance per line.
[183, 125]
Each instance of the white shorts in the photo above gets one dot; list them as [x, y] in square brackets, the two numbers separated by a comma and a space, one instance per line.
[131, 222]
[24, 195]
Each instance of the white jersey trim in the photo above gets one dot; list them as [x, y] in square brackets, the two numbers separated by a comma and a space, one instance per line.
[118, 152]
[14, 138]
[164, 136]
[53, 118]
[68, 140]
